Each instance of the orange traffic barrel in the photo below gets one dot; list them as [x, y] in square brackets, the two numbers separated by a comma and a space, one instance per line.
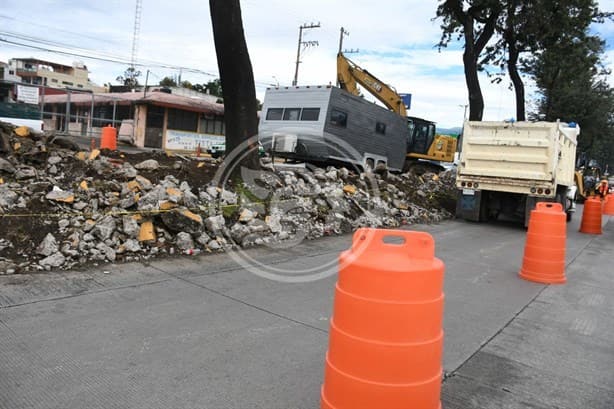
[108, 139]
[386, 336]
[608, 206]
[544, 250]
[591, 216]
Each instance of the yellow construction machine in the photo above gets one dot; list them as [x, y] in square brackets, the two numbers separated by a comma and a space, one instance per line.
[588, 176]
[422, 140]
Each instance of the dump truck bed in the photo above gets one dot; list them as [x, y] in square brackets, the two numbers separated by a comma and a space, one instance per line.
[521, 157]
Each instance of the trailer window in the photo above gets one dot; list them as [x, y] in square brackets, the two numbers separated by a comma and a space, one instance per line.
[380, 128]
[274, 114]
[338, 118]
[292, 114]
[310, 114]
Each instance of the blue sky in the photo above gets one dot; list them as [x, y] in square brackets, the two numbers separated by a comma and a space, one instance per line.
[396, 38]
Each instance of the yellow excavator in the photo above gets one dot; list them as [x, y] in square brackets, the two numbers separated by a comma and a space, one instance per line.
[422, 140]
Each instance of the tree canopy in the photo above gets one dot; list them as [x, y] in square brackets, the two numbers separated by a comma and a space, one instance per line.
[130, 77]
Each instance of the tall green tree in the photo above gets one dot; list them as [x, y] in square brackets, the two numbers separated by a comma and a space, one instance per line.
[130, 77]
[475, 22]
[213, 87]
[531, 26]
[168, 82]
[236, 77]
[572, 86]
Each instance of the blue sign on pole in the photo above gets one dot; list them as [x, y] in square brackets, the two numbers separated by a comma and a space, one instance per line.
[406, 100]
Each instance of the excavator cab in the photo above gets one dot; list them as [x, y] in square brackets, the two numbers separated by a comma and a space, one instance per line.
[421, 134]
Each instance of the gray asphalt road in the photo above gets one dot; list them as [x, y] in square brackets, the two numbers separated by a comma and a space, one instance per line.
[202, 332]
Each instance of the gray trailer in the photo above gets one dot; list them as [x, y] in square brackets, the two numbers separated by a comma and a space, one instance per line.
[324, 124]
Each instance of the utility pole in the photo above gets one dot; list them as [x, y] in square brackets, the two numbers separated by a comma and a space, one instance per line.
[342, 34]
[303, 43]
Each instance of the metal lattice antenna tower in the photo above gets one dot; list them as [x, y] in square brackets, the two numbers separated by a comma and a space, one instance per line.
[135, 36]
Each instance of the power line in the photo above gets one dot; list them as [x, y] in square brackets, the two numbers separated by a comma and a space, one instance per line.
[32, 23]
[121, 61]
[52, 43]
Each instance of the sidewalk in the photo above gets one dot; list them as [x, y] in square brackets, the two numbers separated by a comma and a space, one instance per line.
[558, 352]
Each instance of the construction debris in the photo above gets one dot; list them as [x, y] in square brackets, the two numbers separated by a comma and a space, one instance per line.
[59, 210]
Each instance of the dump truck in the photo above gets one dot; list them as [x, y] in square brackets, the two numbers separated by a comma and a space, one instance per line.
[505, 168]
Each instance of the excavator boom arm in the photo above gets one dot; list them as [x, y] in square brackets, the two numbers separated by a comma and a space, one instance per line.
[349, 75]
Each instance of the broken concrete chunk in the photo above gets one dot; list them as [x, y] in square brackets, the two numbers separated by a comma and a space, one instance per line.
[174, 195]
[184, 241]
[149, 164]
[54, 260]
[143, 182]
[108, 252]
[59, 195]
[146, 233]
[54, 160]
[167, 205]
[130, 226]
[228, 197]
[247, 215]
[22, 131]
[215, 224]
[203, 239]
[104, 227]
[351, 189]
[48, 246]
[25, 172]
[7, 196]
[132, 245]
[182, 220]
[93, 154]
[6, 166]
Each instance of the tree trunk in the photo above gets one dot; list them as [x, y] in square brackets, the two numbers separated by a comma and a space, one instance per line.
[474, 47]
[237, 78]
[512, 69]
[476, 100]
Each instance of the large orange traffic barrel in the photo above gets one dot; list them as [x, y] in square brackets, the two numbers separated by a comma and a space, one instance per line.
[591, 216]
[608, 205]
[544, 251]
[386, 337]
[108, 139]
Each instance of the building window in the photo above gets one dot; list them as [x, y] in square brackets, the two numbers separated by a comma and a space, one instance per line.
[310, 114]
[274, 114]
[338, 118]
[67, 83]
[212, 125]
[79, 85]
[11, 72]
[54, 80]
[292, 114]
[182, 120]
[380, 128]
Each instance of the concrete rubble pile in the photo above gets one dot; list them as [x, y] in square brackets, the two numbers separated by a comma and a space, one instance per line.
[61, 207]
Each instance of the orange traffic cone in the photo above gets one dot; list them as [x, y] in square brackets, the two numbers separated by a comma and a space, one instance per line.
[108, 139]
[608, 206]
[386, 337]
[591, 216]
[544, 251]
